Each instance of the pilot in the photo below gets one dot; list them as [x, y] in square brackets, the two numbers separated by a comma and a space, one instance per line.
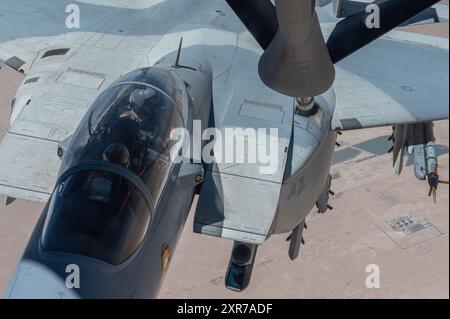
[126, 129]
[147, 104]
[144, 101]
[139, 96]
[117, 153]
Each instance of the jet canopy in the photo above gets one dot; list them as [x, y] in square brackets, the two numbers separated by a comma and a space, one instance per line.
[116, 167]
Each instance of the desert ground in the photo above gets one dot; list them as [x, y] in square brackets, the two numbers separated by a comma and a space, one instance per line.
[339, 244]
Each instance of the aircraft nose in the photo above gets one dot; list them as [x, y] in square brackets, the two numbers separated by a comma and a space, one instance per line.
[32, 280]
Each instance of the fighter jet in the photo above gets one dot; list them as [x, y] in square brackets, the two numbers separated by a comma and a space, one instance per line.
[109, 84]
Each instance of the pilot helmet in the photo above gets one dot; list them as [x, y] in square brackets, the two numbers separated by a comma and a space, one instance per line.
[139, 96]
[117, 153]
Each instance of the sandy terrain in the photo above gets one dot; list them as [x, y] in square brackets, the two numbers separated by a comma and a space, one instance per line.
[339, 244]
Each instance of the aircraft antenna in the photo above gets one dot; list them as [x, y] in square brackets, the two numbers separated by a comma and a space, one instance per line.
[177, 64]
[177, 60]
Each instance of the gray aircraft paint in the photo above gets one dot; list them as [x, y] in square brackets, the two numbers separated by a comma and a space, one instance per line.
[48, 110]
